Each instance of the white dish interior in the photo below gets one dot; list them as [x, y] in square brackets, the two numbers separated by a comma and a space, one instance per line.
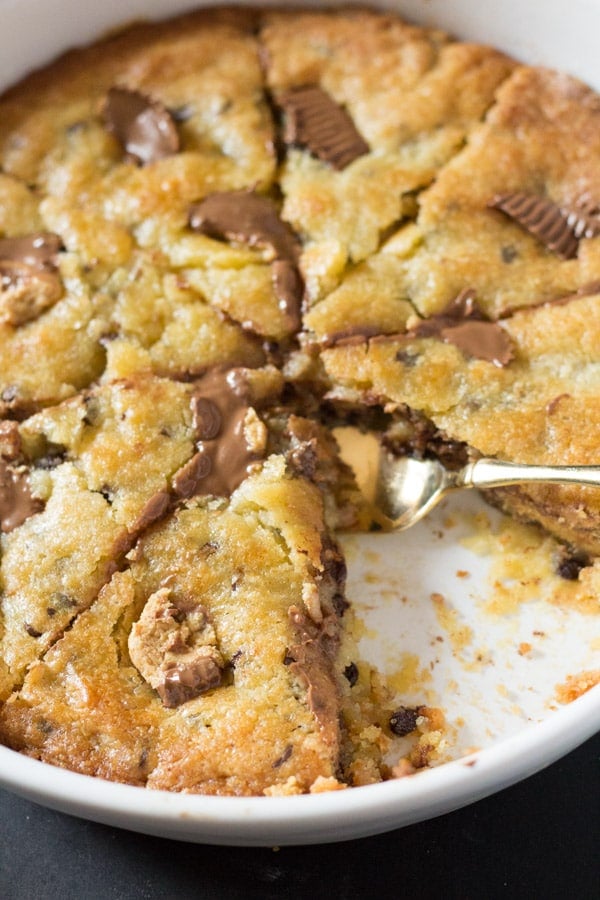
[511, 723]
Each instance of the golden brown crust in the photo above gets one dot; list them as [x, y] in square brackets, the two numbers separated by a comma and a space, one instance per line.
[162, 635]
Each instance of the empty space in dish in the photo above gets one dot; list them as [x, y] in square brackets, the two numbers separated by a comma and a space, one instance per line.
[465, 612]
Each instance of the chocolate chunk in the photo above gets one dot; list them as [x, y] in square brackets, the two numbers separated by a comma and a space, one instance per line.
[26, 292]
[31, 631]
[143, 126]
[16, 501]
[463, 324]
[289, 289]
[183, 682]
[38, 250]
[315, 121]
[246, 217]
[551, 224]
[173, 645]
[29, 283]
[404, 720]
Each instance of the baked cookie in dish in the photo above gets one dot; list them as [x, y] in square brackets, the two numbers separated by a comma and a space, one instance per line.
[219, 236]
[502, 272]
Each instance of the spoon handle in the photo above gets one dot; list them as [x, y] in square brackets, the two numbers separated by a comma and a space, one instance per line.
[490, 473]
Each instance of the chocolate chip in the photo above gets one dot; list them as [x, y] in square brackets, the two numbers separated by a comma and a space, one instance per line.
[26, 292]
[284, 757]
[304, 460]
[351, 673]
[288, 659]
[569, 566]
[143, 126]
[31, 631]
[231, 453]
[508, 254]
[314, 120]
[404, 720]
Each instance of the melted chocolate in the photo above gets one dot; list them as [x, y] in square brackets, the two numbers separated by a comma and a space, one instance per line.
[289, 289]
[462, 323]
[143, 126]
[246, 217]
[224, 457]
[315, 121]
[351, 336]
[16, 502]
[207, 419]
[310, 659]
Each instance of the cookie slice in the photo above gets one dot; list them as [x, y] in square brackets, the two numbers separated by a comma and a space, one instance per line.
[540, 407]
[539, 146]
[209, 664]
[410, 94]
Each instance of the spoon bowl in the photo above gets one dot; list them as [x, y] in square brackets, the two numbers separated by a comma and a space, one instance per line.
[402, 489]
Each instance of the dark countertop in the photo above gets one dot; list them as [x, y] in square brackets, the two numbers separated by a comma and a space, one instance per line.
[538, 839]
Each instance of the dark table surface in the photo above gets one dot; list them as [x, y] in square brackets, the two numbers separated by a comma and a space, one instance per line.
[538, 839]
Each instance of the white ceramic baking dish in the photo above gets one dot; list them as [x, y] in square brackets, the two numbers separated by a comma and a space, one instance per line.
[513, 739]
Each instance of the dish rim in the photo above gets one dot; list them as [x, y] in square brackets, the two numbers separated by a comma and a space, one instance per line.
[331, 816]
[312, 818]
